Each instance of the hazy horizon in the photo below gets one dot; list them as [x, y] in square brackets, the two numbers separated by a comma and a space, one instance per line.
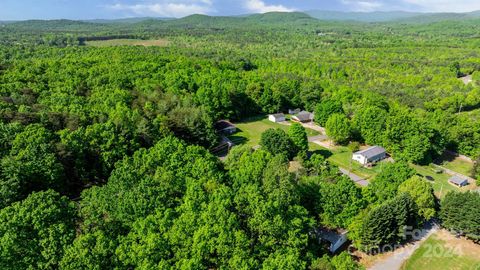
[119, 9]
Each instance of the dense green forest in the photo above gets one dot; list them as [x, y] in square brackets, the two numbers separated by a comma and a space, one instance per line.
[105, 162]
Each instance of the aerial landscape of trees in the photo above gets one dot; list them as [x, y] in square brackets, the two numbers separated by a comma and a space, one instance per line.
[104, 151]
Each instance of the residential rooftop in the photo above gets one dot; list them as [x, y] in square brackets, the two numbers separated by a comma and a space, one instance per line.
[372, 151]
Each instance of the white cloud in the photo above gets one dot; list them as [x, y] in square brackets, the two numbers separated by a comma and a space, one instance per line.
[259, 6]
[363, 5]
[166, 8]
[446, 5]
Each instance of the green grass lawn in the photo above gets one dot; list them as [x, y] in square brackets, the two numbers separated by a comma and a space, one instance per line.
[440, 186]
[439, 252]
[459, 165]
[250, 130]
[342, 156]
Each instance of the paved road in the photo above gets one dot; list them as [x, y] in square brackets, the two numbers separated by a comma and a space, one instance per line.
[395, 260]
[355, 178]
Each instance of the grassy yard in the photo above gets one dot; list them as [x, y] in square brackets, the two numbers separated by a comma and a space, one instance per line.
[440, 186]
[342, 156]
[459, 165]
[443, 251]
[250, 130]
[128, 42]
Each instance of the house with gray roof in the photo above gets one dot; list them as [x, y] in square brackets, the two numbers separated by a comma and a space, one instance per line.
[458, 181]
[370, 155]
[303, 117]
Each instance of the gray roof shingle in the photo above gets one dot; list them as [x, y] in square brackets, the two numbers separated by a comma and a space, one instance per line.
[371, 151]
[304, 116]
[456, 179]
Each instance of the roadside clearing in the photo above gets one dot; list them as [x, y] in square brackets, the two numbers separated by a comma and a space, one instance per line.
[355, 178]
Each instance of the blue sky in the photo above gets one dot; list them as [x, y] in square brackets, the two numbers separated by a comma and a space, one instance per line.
[108, 9]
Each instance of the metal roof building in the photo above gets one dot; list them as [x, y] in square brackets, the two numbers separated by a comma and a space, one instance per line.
[370, 155]
[458, 180]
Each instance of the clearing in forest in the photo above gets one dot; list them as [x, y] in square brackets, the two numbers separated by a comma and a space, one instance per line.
[129, 42]
[250, 130]
[443, 250]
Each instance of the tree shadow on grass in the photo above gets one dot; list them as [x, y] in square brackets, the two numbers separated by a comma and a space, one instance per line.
[445, 158]
[238, 140]
[324, 152]
[254, 118]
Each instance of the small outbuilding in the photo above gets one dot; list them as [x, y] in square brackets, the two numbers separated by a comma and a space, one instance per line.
[336, 239]
[277, 117]
[225, 127]
[370, 155]
[303, 117]
[458, 181]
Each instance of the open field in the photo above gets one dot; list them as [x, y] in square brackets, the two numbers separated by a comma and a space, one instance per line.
[456, 164]
[128, 42]
[250, 130]
[442, 250]
[440, 186]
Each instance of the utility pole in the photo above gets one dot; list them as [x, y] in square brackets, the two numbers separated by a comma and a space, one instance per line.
[460, 109]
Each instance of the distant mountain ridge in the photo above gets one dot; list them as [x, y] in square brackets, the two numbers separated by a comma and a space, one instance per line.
[128, 20]
[390, 16]
[376, 16]
[205, 21]
[277, 19]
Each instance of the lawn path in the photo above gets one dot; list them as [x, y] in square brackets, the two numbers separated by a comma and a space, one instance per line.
[355, 178]
[396, 259]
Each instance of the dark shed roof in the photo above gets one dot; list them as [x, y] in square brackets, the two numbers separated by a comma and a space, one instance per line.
[223, 124]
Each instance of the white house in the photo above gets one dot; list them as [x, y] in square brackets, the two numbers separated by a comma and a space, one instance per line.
[370, 155]
[277, 117]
